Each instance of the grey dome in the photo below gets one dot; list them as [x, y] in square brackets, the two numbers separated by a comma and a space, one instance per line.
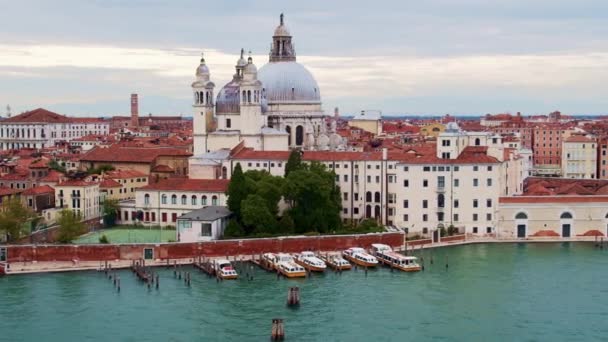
[228, 100]
[288, 82]
[202, 70]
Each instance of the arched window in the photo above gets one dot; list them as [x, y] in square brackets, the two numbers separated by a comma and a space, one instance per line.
[521, 216]
[288, 130]
[204, 200]
[249, 96]
[196, 98]
[477, 142]
[163, 199]
[214, 200]
[244, 96]
[207, 100]
[377, 196]
[440, 200]
[194, 200]
[566, 215]
[368, 196]
[174, 199]
[368, 211]
[224, 172]
[147, 199]
[299, 135]
[184, 200]
[377, 211]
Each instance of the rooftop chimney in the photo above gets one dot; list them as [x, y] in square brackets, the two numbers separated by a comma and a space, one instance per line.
[134, 111]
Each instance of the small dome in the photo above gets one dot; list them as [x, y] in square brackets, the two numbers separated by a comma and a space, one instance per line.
[250, 68]
[452, 127]
[281, 30]
[202, 70]
[228, 100]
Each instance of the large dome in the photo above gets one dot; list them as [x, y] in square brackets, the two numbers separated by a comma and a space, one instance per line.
[288, 82]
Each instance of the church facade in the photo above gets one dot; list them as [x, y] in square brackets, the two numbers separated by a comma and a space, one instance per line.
[275, 108]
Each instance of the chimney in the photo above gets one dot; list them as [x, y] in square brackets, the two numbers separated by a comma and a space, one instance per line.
[134, 111]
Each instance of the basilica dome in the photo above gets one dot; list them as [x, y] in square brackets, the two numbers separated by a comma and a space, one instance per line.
[288, 82]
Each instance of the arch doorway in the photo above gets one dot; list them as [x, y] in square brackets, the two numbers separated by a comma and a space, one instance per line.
[288, 130]
[521, 221]
[299, 135]
[566, 223]
[368, 211]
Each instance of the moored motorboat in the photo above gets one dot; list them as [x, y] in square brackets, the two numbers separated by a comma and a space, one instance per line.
[387, 256]
[224, 270]
[285, 264]
[337, 262]
[311, 262]
[360, 257]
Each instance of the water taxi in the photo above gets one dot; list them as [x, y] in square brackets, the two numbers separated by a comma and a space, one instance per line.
[387, 256]
[309, 261]
[285, 264]
[224, 270]
[337, 263]
[360, 257]
[268, 261]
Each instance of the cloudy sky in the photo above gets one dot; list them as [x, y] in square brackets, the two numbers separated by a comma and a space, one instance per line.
[84, 57]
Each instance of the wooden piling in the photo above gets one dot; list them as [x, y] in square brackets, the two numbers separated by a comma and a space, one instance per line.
[277, 332]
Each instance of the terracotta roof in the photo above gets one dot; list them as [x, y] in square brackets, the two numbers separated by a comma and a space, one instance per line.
[52, 177]
[38, 190]
[187, 184]
[4, 191]
[40, 164]
[162, 168]
[579, 139]
[14, 177]
[109, 183]
[130, 154]
[553, 199]
[124, 173]
[76, 182]
[39, 115]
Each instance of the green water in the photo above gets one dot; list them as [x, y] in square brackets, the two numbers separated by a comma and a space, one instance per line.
[507, 292]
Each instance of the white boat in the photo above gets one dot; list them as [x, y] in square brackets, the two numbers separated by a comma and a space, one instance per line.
[360, 257]
[285, 264]
[337, 262]
[311, 262]
[387, 256]
[223, 269]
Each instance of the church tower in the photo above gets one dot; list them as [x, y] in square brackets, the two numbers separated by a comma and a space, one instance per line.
[252, 119]
[282, 49]
[203, 107]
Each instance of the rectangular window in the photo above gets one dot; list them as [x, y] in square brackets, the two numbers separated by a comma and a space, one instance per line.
[475, 203]
[356, 211]
[406, 203]
[425, 217]
[475, 182]
[456, 203]
[475, 168]
[441, 181]
[163, 217]
[426, 169]
[406, 183]
[456, 168]
[488, 230]
[406, 168]
[489, 167]
[369, 179]
[228, 123]
[456, 182]
[205, 229]
[377, 179]
[406, 217]
[345, 211]
[345, 196]
[489, 181]
[488, 217]
[489, 203]
[425, 183]
[475, 217]
[456, 217]
[425, 204]
[474, 230]
[356, 195]
[345, 178]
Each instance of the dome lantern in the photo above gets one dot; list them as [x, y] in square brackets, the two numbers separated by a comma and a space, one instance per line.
[282, 48]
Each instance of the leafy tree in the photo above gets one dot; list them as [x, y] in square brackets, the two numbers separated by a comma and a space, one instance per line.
[237, 191]
[100, 169]
[286, 224]
[15, 219]
[70, 226]
[104, 239]
[314, 199]
[233, 229]
[269, 188]
[294, 162]
[369, 226]
[54, 165]
[110, 209]
[257, 218]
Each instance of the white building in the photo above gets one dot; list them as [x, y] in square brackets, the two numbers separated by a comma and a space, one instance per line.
[579, 157]
[275, 108]
[41, 128]
[161, 203]
[80, 196]
[203, 224]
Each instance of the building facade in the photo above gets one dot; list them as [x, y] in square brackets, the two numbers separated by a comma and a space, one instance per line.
[579, 157]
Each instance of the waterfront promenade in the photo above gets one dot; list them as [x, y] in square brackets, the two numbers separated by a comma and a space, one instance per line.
[48, 266]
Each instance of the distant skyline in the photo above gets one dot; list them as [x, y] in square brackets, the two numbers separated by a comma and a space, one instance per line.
[434, 57]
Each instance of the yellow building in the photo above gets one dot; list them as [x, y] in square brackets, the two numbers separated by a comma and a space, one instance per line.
[121, 184]
[367, 121]
[432, 130]
[579, 157]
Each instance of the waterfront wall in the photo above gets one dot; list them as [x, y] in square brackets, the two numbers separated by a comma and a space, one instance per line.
[101, 252]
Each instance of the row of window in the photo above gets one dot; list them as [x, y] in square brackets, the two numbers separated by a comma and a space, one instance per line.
[184, 199]
[440, 203]
[441, 217]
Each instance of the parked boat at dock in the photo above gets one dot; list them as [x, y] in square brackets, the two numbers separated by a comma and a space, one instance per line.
[337, 262]
[387, 256]
[285, 264]
[224, 270]
[360, 257]
[311, 262]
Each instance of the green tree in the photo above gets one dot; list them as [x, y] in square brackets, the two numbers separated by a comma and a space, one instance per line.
[269, 188]
[369, 226]
[286, 225]
[110, 210]
[100, 169]
[314, 199]
[257, 218]
[234, 229]
[54, 165]
[294, 162]
[104, 239]
[15, 219]
[237, 191]
[70, 226]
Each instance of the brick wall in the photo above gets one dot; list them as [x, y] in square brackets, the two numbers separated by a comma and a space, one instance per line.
[20, 253]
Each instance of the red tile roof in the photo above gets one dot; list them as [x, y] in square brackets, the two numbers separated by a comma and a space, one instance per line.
[76, 182]
[124, 173]
[4, 191]
[162, 168]
[38, 190]
[187, 184]
[39, 115]
[579, 139]
[52, 177]
[109, 183]
[118, 154]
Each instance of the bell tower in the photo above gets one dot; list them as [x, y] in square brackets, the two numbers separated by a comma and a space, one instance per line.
[282, 48]
[203, 107]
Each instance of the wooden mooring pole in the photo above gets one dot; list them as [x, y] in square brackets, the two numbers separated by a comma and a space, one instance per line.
[277, 332]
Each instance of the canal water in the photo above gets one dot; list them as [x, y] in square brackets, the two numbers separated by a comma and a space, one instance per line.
[490, 292]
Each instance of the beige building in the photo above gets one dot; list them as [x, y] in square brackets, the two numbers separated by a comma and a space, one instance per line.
[81, 196]
[579, 157]
[432, 130]
[122, 183]
[370, 121]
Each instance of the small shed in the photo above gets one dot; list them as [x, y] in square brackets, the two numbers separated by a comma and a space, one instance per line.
[203, 224]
